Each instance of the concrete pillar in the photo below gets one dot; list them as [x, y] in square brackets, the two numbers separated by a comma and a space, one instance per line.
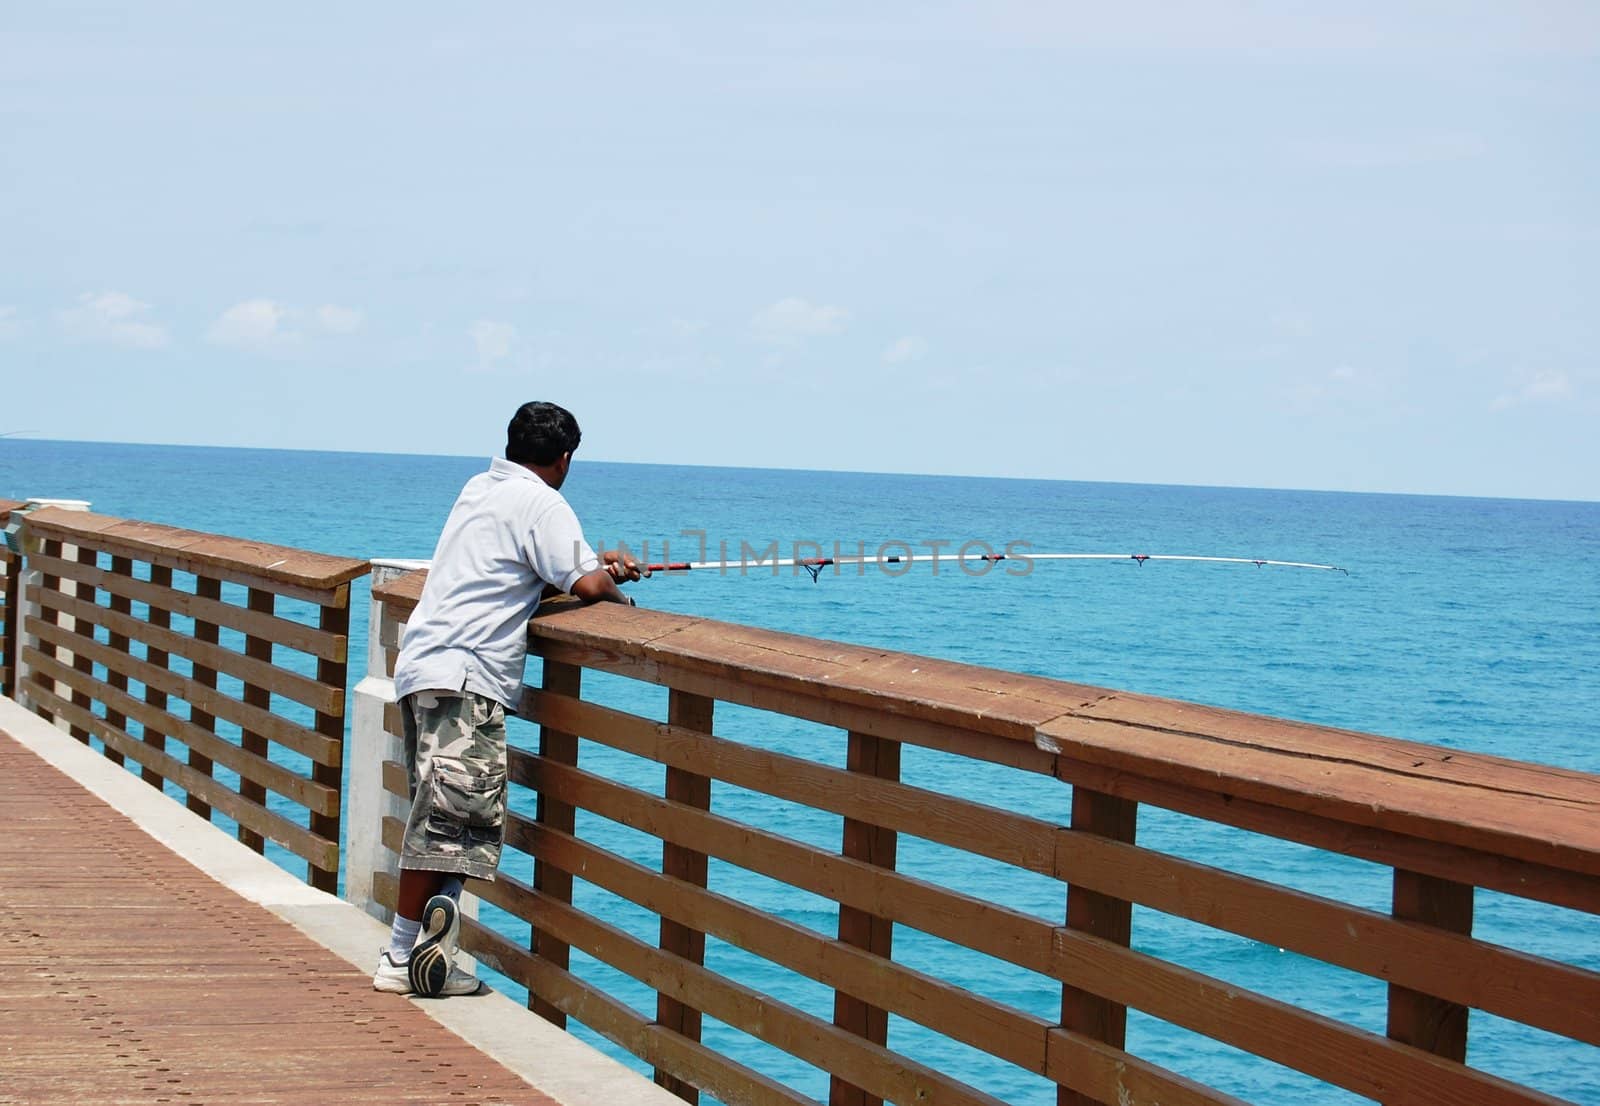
[367, 803]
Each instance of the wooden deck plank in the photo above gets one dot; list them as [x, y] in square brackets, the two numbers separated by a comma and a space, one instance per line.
[130, 976]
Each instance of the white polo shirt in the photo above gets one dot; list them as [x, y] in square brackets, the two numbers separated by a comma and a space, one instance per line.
[508, 535]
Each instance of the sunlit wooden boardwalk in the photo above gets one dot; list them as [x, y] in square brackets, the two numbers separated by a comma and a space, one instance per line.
[128, 975]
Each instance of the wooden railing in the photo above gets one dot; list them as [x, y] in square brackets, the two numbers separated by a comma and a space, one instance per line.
[1444, 822]
[136, 619]
[10, 605]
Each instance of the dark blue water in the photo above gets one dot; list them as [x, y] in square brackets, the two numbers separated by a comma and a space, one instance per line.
[1470, 623]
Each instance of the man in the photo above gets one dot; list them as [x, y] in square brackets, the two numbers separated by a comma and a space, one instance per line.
[510, 540]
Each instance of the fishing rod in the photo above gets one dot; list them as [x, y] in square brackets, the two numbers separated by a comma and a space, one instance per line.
[815, 565]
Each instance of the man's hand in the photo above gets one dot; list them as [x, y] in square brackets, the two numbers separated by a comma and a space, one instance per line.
[622, 567]
[601, 584]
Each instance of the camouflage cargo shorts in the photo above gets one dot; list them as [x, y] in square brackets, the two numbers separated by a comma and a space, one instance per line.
[456, 747]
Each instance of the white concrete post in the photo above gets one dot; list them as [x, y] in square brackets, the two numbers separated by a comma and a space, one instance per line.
[367, 803]
[370, 745]
[28, 607]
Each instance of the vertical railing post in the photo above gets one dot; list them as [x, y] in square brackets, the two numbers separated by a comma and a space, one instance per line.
[159, 617]
[85, 593]
[122, 567]
[1417, 1019]
[1102, 916]
[257, 648]
[691, 712]
[206, 587]
[878, 757]
[335, 619]
[560, 748]
[39, 583]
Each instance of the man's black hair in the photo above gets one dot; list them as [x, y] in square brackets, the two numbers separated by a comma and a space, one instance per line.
[540, 433]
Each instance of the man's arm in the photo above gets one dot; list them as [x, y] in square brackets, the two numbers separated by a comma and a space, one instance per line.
[600, 586]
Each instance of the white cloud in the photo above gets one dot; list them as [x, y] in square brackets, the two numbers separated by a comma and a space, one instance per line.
[793, 319]
[266, 324]
[1542, 386]
[113, 317]
[339, 320]
[688, 328]
[253, 324]
[10, 325]
[909, 348]
[492, 340]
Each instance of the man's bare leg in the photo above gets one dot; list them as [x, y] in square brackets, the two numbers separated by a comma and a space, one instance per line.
[417, 886]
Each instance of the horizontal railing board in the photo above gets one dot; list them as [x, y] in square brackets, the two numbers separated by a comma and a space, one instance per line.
[1553, 828]
[317, 747]
[400, 594]
[1560, 887]
[396, 781]
[1429, 764]
[616, 1021]
[250, 670]
[1015, 839]
[318, 797]
[1003, 1031]
[1108, 1074]
[314, 577]
[818, 707]
[896, 684]
[998, 931]
[1553, 996]
[297, 839]
[281, 631]
[1359, 1061]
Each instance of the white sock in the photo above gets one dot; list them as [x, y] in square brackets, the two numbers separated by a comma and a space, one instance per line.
[402, 935]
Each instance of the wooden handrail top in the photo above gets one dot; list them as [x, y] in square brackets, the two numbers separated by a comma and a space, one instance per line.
[1530, 812]
[189, 550]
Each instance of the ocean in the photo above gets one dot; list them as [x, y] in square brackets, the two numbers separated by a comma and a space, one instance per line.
[1467, 623]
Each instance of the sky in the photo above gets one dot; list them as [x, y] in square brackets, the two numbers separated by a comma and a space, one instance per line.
[1347, 246]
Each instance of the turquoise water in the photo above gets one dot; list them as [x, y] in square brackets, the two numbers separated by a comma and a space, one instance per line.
[1469, 623]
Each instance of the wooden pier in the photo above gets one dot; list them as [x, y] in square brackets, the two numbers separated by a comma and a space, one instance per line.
[182, 656]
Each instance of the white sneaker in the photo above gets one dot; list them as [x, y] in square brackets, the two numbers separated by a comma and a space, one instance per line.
[396, 979]
[432, 961]
[391, 977]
